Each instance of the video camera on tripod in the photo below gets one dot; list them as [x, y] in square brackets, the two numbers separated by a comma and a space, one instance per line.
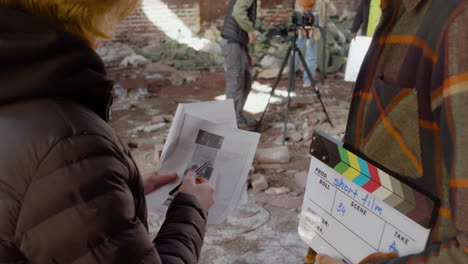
[300, 21]
[306, 21]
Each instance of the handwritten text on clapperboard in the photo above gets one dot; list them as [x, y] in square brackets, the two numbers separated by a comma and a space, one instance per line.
[341, 219]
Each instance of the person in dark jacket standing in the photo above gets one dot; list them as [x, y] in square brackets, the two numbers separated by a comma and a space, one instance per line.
[367, 18]
[70, 191]
[238, 32]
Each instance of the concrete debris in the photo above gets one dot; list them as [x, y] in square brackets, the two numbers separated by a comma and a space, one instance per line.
[290, 172]
[213, 34]
[149, 128]
[301, 179]
[143, 92]
[341, 36]
[134, 60]
[212, 48]
[168, 118]
[160, 68]
[289, 126]
[252, 170]
[183, 57]
[272, 50]
[155, 76]
[273, 166]
[113, 53]
[287, 202]
[306, 113]
[158, 119]
[269, 62]
[259, 183]
[176, 80]
[190, 79]
[273, 155]
[296, 136]
[268, 74]
[119, 92]
[156, 127]
[278, 190]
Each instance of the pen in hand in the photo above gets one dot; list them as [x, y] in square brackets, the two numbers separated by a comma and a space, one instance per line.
[197, 171]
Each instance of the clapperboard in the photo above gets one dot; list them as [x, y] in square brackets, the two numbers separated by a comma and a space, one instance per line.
[353, 209]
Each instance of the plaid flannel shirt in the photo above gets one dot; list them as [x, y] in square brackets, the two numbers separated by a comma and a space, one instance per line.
[409, 112]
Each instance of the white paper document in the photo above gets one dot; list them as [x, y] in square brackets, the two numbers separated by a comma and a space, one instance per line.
[204, 137]
[357, 53]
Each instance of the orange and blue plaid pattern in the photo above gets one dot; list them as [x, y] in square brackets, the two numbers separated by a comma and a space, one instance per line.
[409, 111]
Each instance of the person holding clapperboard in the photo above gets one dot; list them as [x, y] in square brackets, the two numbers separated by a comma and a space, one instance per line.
[408, 114]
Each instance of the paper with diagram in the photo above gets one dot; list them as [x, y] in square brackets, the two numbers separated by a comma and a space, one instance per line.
[353, 209]
[204, 137]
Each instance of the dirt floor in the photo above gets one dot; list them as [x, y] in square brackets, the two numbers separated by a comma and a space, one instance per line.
[264, 230]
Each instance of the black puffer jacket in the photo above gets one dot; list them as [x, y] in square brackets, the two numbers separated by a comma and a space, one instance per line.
[70, 191]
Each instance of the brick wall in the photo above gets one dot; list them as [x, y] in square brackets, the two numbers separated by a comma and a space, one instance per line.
[154, 17]
[276, 12]
[212, 10]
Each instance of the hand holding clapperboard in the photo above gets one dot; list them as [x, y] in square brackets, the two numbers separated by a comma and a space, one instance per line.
[353, 209]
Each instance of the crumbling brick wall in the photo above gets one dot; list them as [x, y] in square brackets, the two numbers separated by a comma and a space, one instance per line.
[145, 25]
[276, 12]
[140, 29]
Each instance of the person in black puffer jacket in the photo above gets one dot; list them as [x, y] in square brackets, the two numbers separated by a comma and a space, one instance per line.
[70, 191]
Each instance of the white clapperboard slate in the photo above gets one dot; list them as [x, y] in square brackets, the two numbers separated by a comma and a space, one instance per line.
[353, 209]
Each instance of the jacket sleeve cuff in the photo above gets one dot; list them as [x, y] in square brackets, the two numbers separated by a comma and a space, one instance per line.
[378, 257]
[188, 200]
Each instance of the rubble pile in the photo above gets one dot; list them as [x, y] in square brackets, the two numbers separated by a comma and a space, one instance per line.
[182, 57]
[113, 53]
[142, 116]
[338, 30]
[268, 53]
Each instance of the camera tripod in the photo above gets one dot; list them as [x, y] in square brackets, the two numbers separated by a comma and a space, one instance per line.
[291, 57]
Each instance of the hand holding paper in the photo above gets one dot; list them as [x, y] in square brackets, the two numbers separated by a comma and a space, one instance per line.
[200, 188]
[204, 138]
[152, 181]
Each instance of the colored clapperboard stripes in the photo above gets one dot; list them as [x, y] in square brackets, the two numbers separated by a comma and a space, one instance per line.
[410, 202]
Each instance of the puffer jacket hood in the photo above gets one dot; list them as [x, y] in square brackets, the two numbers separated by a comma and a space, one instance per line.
[39, 60]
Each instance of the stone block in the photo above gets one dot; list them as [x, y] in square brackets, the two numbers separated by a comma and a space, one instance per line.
[301, 179]
[273, 155]
[287, 202]
[259, 183]
[278, 190]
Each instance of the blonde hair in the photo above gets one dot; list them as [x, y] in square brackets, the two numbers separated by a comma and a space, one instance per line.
[89, 19]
